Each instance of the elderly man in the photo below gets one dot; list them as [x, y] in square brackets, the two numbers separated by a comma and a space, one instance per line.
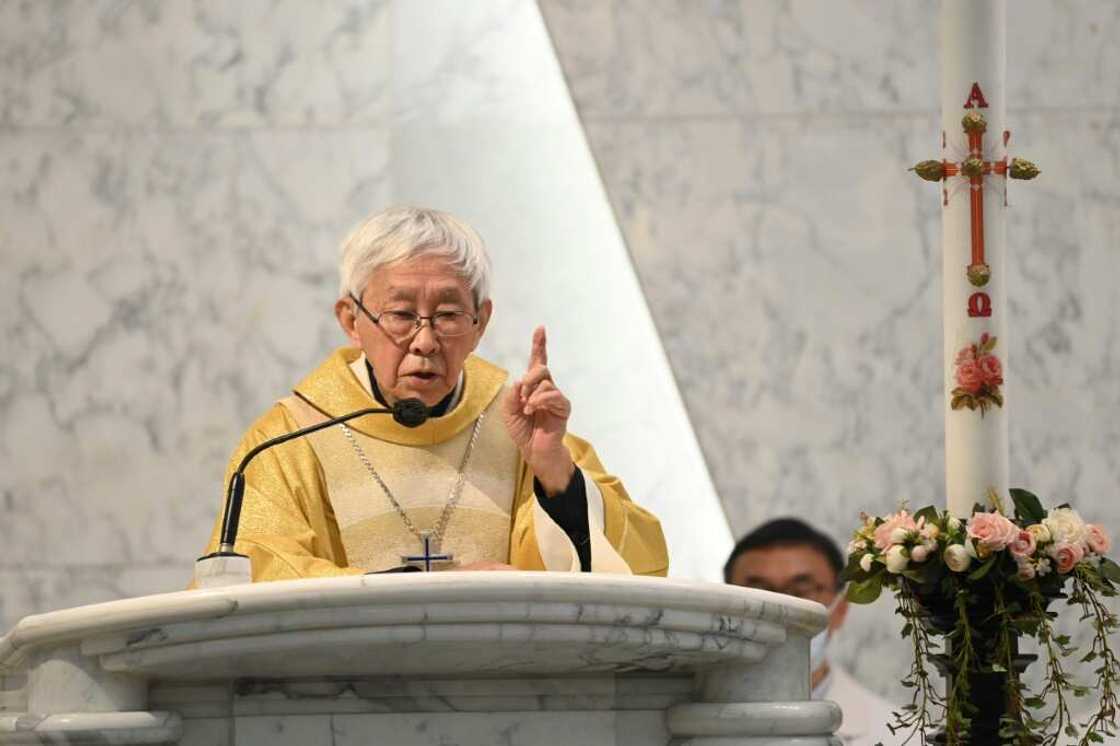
[493, 479]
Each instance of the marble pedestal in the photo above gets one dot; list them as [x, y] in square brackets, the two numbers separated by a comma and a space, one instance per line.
[471, 659]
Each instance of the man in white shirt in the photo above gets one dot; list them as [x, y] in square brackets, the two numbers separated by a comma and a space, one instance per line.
[789, 556]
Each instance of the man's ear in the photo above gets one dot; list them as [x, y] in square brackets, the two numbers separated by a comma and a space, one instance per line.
[347, 318]
[485, 311]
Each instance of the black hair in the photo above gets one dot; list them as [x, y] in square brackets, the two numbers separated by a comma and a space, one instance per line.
[786, 531]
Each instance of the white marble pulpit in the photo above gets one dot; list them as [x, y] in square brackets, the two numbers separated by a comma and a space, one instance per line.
[470, 659]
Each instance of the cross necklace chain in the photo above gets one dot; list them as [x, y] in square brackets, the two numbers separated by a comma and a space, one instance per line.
[426, 537]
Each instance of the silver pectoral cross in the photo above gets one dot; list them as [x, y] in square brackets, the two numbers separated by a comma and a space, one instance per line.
[429, 557]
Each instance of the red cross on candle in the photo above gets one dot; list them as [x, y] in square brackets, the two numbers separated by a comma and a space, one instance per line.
[975, 168]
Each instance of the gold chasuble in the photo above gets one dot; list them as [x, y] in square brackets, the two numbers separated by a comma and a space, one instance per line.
[312, 508]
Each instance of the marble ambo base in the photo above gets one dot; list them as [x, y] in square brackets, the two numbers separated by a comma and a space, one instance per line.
[524, 659]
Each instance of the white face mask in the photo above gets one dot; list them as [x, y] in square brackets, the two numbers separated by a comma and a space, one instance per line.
[818, 646]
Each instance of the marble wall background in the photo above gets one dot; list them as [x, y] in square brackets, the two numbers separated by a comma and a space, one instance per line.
[174, 180]
[755, 154]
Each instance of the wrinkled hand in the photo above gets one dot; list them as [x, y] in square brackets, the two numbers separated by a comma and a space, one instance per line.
[536, 415]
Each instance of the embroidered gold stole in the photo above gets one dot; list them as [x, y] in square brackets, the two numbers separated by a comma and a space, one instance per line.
[420, 467]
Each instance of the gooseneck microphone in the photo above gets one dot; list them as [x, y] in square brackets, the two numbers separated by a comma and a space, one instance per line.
[407, 412]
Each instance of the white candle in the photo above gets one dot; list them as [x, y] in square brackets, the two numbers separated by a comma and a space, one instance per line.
[973, 74]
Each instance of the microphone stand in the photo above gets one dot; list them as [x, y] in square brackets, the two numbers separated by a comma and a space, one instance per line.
[228, 567]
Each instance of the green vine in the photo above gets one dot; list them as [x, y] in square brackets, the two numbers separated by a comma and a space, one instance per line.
[1056, 683]
[958, 715]
[1086, 587]
[1012, 728]
[916, 717]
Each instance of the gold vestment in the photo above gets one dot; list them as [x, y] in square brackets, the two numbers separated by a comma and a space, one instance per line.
[311, 508]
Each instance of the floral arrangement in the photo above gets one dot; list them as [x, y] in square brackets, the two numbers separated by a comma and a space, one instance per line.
[979, 375]
[982, 583]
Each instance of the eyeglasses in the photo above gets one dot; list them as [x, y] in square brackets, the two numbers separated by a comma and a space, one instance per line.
[402, 325]
[807, 589]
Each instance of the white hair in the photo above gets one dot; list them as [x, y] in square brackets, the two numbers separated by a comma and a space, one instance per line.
[401, 233]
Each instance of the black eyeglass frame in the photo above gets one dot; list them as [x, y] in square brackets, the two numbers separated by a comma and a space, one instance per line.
[419, 321]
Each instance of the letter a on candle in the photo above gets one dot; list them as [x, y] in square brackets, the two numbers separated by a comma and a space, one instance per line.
[976, 98]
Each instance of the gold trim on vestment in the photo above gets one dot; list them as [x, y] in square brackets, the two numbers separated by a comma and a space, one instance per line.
[334, 390]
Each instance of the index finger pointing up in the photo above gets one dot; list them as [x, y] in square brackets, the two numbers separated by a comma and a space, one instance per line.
[539, 355]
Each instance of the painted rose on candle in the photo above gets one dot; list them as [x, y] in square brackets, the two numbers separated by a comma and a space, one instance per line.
[979, 374]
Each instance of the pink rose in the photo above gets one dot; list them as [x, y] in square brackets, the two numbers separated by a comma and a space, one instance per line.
[1066, 556]
[966, 355]
[990, 370]
[1097, 539]
[883, 532]
[970, 377]
[992, 531]
[1023, 546]
[1026, 571]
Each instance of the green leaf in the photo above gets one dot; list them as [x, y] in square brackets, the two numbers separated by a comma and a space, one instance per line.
[929, 512]
[1028, 507]
[1110, 570]
[984, 569]
[918, 573]
[852, 572]
[866, 591]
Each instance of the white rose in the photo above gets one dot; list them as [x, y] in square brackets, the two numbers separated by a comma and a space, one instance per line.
[957, 558]
[1066, 526]
[899, 535]
[896, 559]
[919, 553]
[954, 523]
[865, 562]
[1040, 532]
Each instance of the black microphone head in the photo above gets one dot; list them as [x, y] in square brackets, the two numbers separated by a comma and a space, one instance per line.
[411, 412]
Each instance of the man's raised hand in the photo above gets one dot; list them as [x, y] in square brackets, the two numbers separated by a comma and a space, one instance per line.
[536, 415]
